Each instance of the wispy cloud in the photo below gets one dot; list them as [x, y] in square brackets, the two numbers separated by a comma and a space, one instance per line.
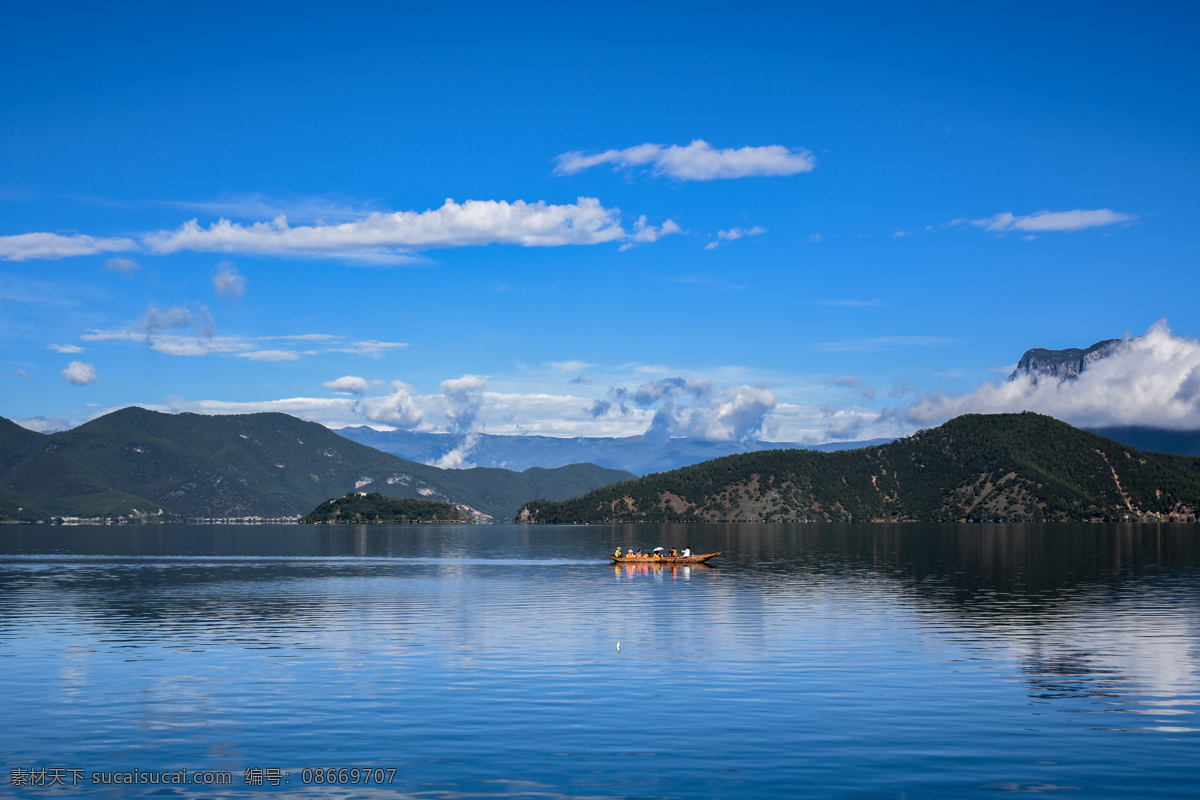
[569, 366]
[698, 161]
[1044, 221]
[644, 233]
[51, 246]
[165, 330]
[17, 288]
[229, 283]
[65, 348]
[733, 234]
[854, 384]
[124, 266]
[262, 206]
[368, 347]
[273, 355]
[174, 344]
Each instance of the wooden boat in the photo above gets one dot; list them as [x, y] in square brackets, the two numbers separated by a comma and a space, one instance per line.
[651, 560]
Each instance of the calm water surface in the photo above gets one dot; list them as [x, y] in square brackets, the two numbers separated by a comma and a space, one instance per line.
[812, 661]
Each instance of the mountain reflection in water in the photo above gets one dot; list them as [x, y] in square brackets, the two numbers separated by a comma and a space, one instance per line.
[817, 660]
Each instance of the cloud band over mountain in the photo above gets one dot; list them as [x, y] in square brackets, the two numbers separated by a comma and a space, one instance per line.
[1151, 380]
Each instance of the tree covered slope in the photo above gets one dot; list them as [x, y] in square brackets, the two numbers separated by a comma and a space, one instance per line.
[1007, 467]
[134, 462]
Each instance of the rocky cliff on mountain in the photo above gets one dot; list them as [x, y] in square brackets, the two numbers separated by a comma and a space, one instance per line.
[1059, 364]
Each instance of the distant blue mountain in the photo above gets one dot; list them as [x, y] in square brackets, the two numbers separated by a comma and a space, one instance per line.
[1154, 440]
[637, 454]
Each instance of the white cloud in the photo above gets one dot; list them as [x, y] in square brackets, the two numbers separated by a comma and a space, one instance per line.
[827, 422]
[1151, 380]
[693, 408]
[733, 234]
[376, 237]
[273, 355]
[569, 366]
[738, 233]
[174, 344]
[457, 457]
[348, 383]
[643, 233]
[156, 323]
[161, 330]
[400, 407]
[1052, 220]
[463, 397]
[471, 223]
[80, 373]
[229, 283]
[123, 265]
[737, 414]
[698, 161]
[368, 347]
[65, 348]
[662, 408]
[44, 424]
[26, 246]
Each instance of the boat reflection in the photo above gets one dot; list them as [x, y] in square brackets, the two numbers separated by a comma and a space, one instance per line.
[629, 571]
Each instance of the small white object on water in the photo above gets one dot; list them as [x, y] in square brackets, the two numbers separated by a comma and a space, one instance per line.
[618, 647]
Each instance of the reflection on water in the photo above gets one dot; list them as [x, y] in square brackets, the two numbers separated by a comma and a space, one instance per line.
[808, 660]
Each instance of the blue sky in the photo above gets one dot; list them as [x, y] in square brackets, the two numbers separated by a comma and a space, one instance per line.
[780, 221]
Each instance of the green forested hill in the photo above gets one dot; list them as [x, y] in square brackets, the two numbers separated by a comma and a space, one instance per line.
[1007, 467]
[134, 462]
[362, 508]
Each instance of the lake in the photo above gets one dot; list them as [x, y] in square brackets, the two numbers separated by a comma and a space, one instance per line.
[811, 661]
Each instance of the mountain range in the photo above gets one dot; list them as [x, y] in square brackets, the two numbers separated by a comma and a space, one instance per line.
[637, 454]
[136, 463]
[996, 467]
[643, 455]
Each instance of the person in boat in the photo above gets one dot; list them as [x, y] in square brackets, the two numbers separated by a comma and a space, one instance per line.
[687, 551]
[617, 554]
[674, 553]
